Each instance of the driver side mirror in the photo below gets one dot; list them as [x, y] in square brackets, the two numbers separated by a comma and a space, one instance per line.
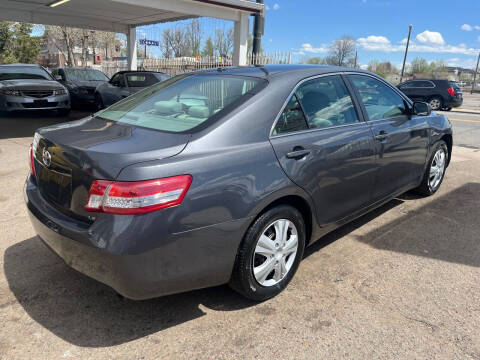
[58, 77]
[421, 108]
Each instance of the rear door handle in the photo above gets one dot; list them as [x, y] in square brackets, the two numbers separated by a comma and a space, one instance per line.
[382, 135]
[297, 154]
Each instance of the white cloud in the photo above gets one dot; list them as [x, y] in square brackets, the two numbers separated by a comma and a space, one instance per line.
[477, 27]
[308, 48]
[276, 6]
[464, 63]
[428, 42]
[375, 43]
[430, 37]
[466, 27]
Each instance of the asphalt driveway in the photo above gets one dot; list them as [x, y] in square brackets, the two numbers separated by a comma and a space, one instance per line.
[401, 282]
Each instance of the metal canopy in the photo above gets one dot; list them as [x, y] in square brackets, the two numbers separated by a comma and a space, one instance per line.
[119, 15]
[125, 15]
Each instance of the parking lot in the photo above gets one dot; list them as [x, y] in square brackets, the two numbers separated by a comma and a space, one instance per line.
[401, 282]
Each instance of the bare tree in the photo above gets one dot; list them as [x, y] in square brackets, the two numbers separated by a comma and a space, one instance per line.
[193, 38]
[64, 39]
[224, 41]
[342, 51]
[173, 42]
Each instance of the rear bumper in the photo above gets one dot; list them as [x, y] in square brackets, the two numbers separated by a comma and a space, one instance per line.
[454, 102]
[179, 262]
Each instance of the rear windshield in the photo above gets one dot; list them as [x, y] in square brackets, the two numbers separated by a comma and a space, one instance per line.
[23, 73]
[454, 85]
[85, 75]
[184, 102]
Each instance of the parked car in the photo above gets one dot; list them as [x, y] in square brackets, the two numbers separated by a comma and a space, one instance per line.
[81, 83]
[440, 94]
[125, 83]
[157, 195]
[30, 87]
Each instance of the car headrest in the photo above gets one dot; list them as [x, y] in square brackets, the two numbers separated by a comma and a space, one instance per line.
[199, 111]
[168, 107]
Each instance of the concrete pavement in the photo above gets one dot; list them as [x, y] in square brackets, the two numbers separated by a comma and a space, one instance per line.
[401, 282]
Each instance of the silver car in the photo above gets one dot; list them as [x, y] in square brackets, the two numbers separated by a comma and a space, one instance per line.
[31, 87]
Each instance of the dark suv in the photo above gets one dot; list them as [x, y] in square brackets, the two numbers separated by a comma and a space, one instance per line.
[440, 94]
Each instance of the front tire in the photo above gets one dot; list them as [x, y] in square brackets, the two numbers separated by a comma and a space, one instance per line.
[435, 172]
[269, 254]
[63, 112]
[99, 102]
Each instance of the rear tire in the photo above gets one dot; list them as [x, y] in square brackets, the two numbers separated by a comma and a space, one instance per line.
[436, 103]
[435, 172]
[266, 261]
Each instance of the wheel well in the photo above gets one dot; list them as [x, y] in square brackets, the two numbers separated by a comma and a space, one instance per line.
[301, 205]
[449, 141]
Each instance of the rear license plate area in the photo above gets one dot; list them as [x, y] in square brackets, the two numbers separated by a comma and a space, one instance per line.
[56, 185]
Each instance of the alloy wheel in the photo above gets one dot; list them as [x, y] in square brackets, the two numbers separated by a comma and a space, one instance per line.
[275, 252]
[435, 104]
[437, 169]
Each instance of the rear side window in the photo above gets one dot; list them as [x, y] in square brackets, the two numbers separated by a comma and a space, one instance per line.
[141, 80]
[184, 102]
[379, 100]
[327, 102]
[291, 119]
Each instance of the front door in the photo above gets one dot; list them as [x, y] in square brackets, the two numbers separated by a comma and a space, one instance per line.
[401, 139]
[326, 148]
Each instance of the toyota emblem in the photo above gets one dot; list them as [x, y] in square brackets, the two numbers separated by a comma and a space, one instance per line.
[46, 158]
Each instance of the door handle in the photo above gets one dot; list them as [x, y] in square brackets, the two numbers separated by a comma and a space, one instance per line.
[382, 135]
[297, 154]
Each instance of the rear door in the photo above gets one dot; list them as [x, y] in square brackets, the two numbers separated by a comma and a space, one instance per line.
[326, 148]
[401, 140]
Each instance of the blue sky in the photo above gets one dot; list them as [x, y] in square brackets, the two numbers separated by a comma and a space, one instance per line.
[448, 30]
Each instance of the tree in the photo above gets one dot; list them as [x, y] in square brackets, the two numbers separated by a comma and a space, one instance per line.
[208, 48]
[315, 60]
[224, 41]
[6, 43]
[342, 51]
[16, 43]
[419, 66]
[65, 39]
[193, 38]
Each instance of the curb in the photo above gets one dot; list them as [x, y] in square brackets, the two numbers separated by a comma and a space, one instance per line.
[464, 111]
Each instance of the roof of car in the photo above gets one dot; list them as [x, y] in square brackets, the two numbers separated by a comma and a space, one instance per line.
[267, 71]
[138, 71]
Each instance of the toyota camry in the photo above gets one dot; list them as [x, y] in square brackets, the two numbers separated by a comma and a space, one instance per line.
[160, 194]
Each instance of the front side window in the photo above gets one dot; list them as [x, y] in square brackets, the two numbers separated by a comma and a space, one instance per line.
[118, 80]
[407, 85]
[379, 100]
[184, 102]
[327, 102]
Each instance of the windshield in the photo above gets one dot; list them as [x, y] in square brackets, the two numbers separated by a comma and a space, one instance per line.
[23, 72]
[85, 75]
[184, 102]
[454, 85]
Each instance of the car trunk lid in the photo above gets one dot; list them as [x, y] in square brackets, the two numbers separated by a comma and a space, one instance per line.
[68, 157]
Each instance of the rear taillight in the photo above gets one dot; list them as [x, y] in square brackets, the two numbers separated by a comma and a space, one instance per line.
[137, 197]
[32, 162]
[451, 91]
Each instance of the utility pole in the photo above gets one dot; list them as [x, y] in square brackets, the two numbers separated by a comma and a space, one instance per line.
[93, 47]
[475, 75]
[258, 26]
[145, 54]
[356, 56]
[406, 52]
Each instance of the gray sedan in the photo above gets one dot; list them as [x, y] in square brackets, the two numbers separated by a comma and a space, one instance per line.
[225, 176]
[30, 87]
[123, 84]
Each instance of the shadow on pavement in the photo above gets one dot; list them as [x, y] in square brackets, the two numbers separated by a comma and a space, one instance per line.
[87, 313]
[24, 124]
